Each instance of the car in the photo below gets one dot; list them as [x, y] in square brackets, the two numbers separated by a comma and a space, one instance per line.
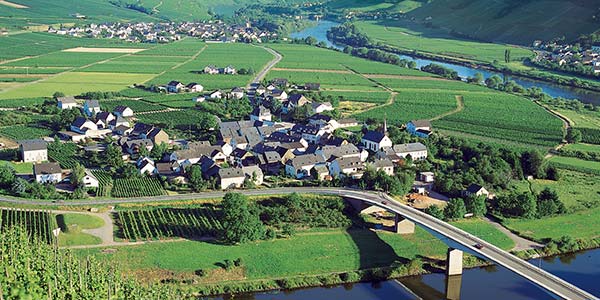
[478, 246]
[384, 202]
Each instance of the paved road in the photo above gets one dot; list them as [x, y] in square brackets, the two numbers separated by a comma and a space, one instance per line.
[261, 75]
[534, 274]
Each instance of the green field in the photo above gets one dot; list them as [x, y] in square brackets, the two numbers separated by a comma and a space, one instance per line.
[19, 167]
[327, 80]
[583, 147]
[135, 105]
[576, 164]
[433, 84]
[401, 6]
[579, 225]
[427, 40]
[63, 59]
[370, 97]
[74, 83]
[22, 132]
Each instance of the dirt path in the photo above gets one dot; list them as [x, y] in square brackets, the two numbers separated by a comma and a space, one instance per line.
[520, 243]
[460, 105]
[567, 124]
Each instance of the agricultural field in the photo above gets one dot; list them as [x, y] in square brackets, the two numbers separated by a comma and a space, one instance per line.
[38, 224]
[172, 119]
[106, 183]
[583, 147]
[504, 117]
[186, 47]
[136, 187]
[63, 59]
[429, 40]
[161, 223]
[327, 80]
[402, 6]
[74, 83]
[15, 103]
[410, 105]
[19, 167]
[576, 164]
[135, 105]
[23, 132]
[430, 84]
[65, 154]
[31, 70]
[369, 97]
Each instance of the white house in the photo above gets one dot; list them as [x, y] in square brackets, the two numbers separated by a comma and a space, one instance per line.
[175, 86]
[194, 87]
[237, 93]
[147, 166]
[91, 107]
[123, 111]
[229, 70]
[89, 180]
[477, 190]
[211, 69]
[318, 108]
[231, 178]
[417, 151]
[301, 166]
[33, 150]
[66, 102]
[426, 177]
[375, 140]
[254, 173]
[217, 94]
[346, 167]
[261, 113]
[385, 165]
[82, 125]
[47, 172]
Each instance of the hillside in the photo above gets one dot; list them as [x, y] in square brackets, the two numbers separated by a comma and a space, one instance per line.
[513, 21]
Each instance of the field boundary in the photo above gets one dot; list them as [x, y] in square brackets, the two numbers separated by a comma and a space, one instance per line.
[460, 106]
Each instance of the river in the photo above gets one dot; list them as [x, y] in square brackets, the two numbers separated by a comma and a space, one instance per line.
[489, 283]
[319, 31]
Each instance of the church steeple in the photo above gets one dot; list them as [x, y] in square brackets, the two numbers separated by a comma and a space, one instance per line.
[385, 124]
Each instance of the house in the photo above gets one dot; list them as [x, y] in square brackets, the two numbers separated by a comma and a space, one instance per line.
[237, 93]
[147, 166]
[119, 121]
[301, 166]
[417, 151]
[476, 190]
[254, 173]
[270, 162]
[82, 125]
[33, 150]
[194, 87]
[47, 173]
[260, 89]
[278, 94]
[375, 140]
[312, 86]
[231, 178]
[330, 153]
[104, 119]
[211, 69]
[420, 128]
[66, 102]
[318, 108]
[89, 180]
[261, 113]
[280, 82]
[217, 94]
[321, 173]
[199, 99]
[91, 107]
[229, 70]
[158, 136]
[174, 86]
[385, 165]
[346, 167]
[123, 111]
[427, 177]
[310, 133]
[293, 101]
[345, 123]
[135, 146]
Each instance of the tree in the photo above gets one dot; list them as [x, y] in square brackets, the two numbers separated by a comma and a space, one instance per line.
[58, 94]
[476, 205]
[527, 205]
[493, 82]
[113, 156]
[310, 40]
[7, 176]
[129, 171]
[552, 173]
[158, 151]
[288, 229]
[434, 211]
[549, 204]
[507, 56]
[241, 223]
[77, 174]
[197, 183]
[455, 209]
[573, 135]
[531, 162]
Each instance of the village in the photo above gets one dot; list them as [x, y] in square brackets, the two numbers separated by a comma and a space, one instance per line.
[246, 151]
[148, 32]
[567, 56]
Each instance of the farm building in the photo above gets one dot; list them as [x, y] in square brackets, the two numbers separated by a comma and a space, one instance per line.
[89, 180]
[66, 102]
[33, 150]
[91, 107]
[47, 173]
[420, 128]
[231, 178]
[123, 111]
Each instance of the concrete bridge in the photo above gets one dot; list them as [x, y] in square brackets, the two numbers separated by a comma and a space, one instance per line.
[457, 239]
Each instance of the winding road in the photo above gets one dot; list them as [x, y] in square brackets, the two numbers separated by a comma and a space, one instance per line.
[467, 241]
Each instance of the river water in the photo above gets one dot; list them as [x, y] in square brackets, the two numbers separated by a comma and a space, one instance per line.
[319, 31]
[489, 283]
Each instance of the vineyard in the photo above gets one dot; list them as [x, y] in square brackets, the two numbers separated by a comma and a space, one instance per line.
[22, 132]
[65, 154]
[37, 224]
[106, 183]
[136, 187]
[160, 223]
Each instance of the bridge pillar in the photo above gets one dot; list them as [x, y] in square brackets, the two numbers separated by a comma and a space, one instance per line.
[453, 285]
[403, 226]
[454, 262]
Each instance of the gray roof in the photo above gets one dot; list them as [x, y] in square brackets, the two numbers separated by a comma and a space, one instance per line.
[305, 160]
[382, 163]
[92, 103]
[421, 123]
[349, 162]
[272, 157]
[46, 168]
[231, 173]
[344, 150]
[66, 100]
[402, 148]
[33, 145]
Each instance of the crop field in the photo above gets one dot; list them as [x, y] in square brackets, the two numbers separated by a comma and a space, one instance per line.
[74, 83]
[135, 105]
[14, 103]
[22, 132]
[166, 98]
[583, 147]
[393, 34]
[370, 97]
[118, 66]
[364, 66]
[63, 59]
[136, 187]
[434, 84]
[186, 47]
[504, 116]
[172, 119]
[66, 155]
[411, 105]
[31, 71]
[106, 183]
[576, 164]
[221, 55]
[327, 80]
[161, 223]
[37, 224]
